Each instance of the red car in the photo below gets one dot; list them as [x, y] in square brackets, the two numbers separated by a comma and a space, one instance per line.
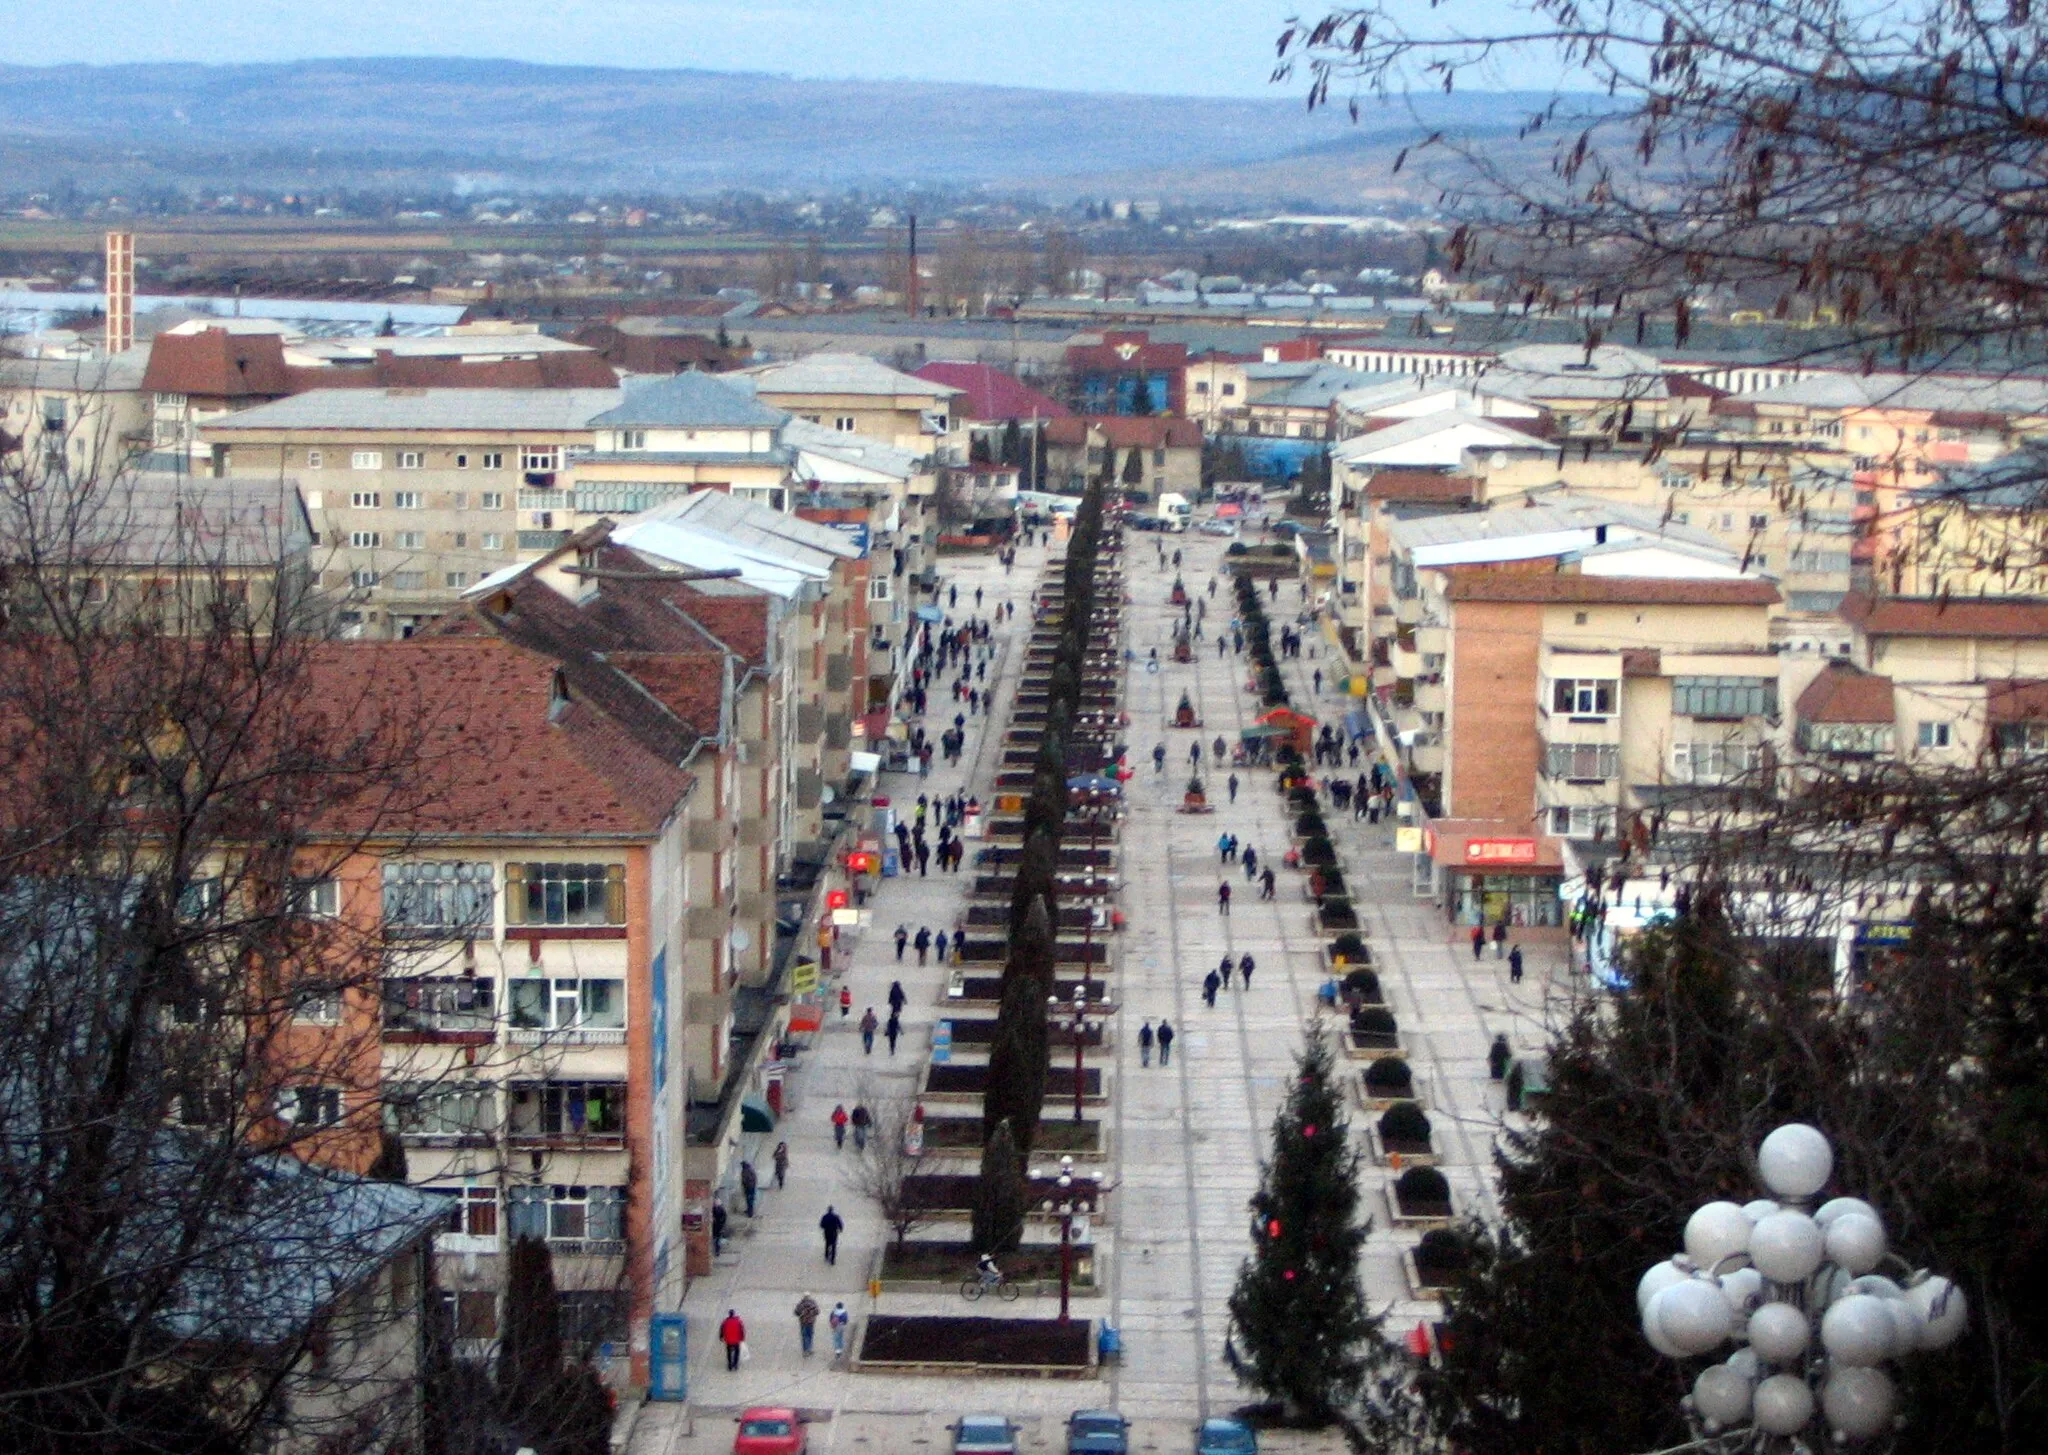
[769, 1430]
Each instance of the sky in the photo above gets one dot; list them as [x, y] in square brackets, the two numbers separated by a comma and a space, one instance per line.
[1171, 47]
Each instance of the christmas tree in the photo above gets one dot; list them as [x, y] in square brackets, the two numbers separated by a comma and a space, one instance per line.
[1306, 1338]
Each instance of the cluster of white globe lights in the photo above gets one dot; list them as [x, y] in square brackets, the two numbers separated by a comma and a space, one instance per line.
[1801, 1293]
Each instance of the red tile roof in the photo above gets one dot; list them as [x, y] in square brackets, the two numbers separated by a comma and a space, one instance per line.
[1606, 590]
[218, 364]
[1126, 431]
[1961, 616]
[1420, 486]
[1844, 693]
[987, 393]
[660, 353]
[2016, 700]
[215, 363]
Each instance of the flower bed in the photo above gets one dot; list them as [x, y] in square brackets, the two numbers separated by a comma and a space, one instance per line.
[943, 1344]
[950, 1080]
[1401, 1136]
[946, 1263]
[945, 1193]
[1385, 1082]
[1055, 1135]
[1420, 1197]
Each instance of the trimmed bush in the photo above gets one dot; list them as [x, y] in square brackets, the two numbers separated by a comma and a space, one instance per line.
[1442, 1253]
[1351, 947]
[1310, 825]
[1404, 1125]
[1374, 1020]
[1422, 1190]
[1318, 851]
[1390, 1077]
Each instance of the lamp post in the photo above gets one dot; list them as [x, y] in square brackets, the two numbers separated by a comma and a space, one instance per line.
[1066, 1203]
[1074, 1018]
[1800, 1292]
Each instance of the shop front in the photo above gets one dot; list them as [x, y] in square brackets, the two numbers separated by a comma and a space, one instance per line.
[1491, 875]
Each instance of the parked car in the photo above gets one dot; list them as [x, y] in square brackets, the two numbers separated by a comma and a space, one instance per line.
[1219, 528]
[769, 1430]
[985, 1435]
[1225, 1437]
[1098, 1432]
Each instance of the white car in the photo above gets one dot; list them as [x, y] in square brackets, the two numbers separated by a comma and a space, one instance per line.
[1219, 528]
[985, 1435]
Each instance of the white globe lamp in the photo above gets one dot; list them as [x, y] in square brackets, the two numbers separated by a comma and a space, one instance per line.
[1942, 1311]
[1716, 1232]
[1834, 1207]
[1659, 1277]
[1722, 1396]
[1787, 1247]
[1692, 1315]
[1784, 1405]
[1858, 1331]
[1854, 1241]
[1653, 1327]
[1859, 1403]
[1779, 1333]
[1795, 1161]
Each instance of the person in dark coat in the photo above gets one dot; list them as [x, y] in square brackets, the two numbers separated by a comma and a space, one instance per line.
[1245, 968]
[923, 943]
[1165, 1042]
[1515, 965]
[1145, 1044]
[1211, 983]
[717, 1228]
[1224, 970]
[1266, 882]
[897, 999]
[1479, 942]
[831, 1225]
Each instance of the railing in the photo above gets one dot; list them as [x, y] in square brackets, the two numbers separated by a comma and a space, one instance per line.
[573, 1036]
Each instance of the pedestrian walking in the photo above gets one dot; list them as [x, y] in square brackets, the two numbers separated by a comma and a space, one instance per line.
[781, 1164]
[839, 1120]
[1195, 754]
[1478, 942]
[845, 1001]
[1317, 678]
[1145, 1044]
[733, 1334]
[1223, 848]
[1251, 863]
[923, 943]
[750, 1185]
[1223, 899]
[1159, 759]
[1211, 983]
[1233, 788]
[902, 939]
[1223, 970]
[1266, 883]
[897, 999]
[1245, 966]
[1165, 1042]
[1500, 939]
[717, 1227]
[868, 1026]
[959, 946]
[1515, 966]
[862, 1119]
[831, 1225]
[838, 1319]
[806, 1321]
[893, 1030]
[924, 857]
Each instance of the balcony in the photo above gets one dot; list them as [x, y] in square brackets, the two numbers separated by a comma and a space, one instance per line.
[569, 1113]
[548, 499]
[1578, 761]
[443, 1010]
[568, 1036]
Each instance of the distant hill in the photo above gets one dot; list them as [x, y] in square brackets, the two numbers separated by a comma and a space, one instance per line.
[510, 125]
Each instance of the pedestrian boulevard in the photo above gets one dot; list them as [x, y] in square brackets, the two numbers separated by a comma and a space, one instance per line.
[1185, 1139]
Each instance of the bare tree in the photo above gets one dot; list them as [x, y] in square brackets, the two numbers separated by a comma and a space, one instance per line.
[882, 1171]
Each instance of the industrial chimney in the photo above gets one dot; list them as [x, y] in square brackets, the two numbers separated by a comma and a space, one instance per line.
[120, 292]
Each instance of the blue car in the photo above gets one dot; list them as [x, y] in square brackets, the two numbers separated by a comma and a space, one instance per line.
[1225, 1437]
[1098, 1432]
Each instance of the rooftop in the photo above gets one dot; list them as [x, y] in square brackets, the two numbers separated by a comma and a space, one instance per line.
[989, 393]
[1509, 586]
[688, 401]
[1845, 693]
[1998, 617]
[549, 411]
[843, 374]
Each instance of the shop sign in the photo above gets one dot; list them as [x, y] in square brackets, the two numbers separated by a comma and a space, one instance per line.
[1500, 851]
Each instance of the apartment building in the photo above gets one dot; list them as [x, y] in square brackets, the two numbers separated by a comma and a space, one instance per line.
[854, 394]
[1215, 388]
[416, 494]
[1375, 406]
[81, 417]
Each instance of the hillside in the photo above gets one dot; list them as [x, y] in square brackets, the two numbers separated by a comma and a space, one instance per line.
[505, 124]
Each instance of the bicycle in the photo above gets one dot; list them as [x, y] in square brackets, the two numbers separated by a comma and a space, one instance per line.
[975, 1285]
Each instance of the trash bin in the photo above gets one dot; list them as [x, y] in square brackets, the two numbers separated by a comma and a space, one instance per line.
[1109, 1344]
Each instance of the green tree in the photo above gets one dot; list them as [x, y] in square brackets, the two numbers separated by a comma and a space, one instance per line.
[1142, 398]
[1000, 1196]
[530, 1353]
[1013, 444]
[1134, 467]
[1017, 1056]
[1298, 1306]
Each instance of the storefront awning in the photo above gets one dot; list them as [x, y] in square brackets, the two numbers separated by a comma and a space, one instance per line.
[756, 1115]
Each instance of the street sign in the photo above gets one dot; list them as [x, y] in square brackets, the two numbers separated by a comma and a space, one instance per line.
[803, 978]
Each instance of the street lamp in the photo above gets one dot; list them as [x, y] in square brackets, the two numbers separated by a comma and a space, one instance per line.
[1066, 1203]
[1074, 1018]
[1799, 1291]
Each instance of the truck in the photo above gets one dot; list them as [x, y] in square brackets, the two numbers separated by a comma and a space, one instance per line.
[1175, 506]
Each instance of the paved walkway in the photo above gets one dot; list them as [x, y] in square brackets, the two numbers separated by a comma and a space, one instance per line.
[1185, 1141]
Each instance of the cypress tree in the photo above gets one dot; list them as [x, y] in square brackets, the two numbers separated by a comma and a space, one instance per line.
[530, 1335]
[1298, 1305]
[1000, 1197]
[1134, 467]
[1017, 1056]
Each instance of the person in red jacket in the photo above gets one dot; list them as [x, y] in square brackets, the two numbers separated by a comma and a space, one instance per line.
[732, 1333]
[839, 1121]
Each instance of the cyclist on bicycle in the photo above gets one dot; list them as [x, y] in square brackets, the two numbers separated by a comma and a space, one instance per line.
[986, 1267]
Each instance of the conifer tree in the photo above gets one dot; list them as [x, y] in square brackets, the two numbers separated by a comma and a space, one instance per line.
[530, 1341]
[1134, 467]
[1298, 1306]
[999, 1198]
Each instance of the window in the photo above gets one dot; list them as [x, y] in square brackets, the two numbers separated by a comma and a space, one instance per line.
[1713, 762]
[316, 898]
[592, 1317]
[1583, 696]
[1933, 734]
[438, 894]
[2023, 737]
[366, 460]
[493, 541]
[309, 1106]
[566, 1214]
[1583, 762]
[1201, 386]
[494, 460]
[1846, 739]
[1159, 459]
[408, 580]
[539, 458]
[1228, 390]
[1759, 522]
[843, 423]
[569, 1006]
[460, 1003]
[441, 1109]
[318, 1005]
[878, 588]
[474, 1212]
[362, 580]
[492, 500]
[461, 463]
[365, 499]
[455, 580]
[1821, 562]
[1724, 697]
[411, 540]
[365, 540]
[411, 459]
[1583, 822]
[313, 459]
[405, 500]
[632, 439]
[569, 1109]
[565, 894]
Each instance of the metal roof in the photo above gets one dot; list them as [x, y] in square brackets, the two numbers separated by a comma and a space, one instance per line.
[76, 376]
[688, 401]
[1965, 394]
[1515, 532]
[547, 410]
[1380, 442]
[842, 374]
